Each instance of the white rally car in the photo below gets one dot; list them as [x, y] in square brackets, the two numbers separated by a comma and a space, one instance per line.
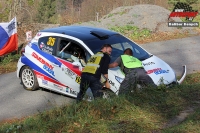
[55, 58]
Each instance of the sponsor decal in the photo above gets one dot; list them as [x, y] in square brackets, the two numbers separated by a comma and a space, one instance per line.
[149, 63]
[39, 34]
[67, 89]
[70, 73]
[111, 82]
[41, 75]
[58, 87]
[46, 65]
[51, 41]
[45, 82]
[73, 92]
[183, 10]
[45, 48]
[157, 71]
[69, 65]
[48, 70]
[78, 79]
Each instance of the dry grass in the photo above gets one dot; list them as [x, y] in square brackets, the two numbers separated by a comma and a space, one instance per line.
[164, 36]
[10, 67]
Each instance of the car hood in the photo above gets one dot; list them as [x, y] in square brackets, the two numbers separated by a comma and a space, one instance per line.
[157, 69]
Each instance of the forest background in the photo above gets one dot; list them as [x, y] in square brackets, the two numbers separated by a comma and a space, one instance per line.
[34, 15]
[66, 12]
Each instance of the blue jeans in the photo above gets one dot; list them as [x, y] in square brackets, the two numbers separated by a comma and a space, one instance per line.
[88, 80]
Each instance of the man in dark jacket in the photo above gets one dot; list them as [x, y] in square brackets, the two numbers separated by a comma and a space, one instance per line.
[133, 70]
[96, 66]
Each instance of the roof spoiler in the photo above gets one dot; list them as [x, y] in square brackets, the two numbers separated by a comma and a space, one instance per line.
[100, 35]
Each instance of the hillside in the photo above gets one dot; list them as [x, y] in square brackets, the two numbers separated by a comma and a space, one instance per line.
[143, 16]
[152, 17]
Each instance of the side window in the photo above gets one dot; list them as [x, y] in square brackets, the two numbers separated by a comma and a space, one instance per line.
[63, 51]
[116, 51]
[137, 51]
[127, 45]
[48, 44]
[71, 51]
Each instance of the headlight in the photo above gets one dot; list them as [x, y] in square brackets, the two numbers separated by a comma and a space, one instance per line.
[119, 79]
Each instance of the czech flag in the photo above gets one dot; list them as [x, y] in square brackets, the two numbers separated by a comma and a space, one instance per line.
[8, 37]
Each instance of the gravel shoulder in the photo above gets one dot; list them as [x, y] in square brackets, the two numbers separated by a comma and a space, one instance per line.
[144, 16]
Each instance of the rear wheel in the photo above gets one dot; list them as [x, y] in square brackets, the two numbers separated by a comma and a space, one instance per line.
[28, 79]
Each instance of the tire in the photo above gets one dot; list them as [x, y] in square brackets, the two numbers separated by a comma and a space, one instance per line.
[107, 94]
[28, 79]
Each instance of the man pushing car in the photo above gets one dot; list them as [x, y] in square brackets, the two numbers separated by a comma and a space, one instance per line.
[133, 70]
[96, 66]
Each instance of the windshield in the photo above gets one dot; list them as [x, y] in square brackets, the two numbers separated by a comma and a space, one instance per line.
[119, 44]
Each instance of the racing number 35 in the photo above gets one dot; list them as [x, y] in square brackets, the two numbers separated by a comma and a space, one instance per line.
[51, 41]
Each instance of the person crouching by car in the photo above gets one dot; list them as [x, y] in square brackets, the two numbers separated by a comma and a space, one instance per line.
[96, 66]
[133, 70]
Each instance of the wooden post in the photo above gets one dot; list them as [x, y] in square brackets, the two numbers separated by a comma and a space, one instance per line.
[97, 17]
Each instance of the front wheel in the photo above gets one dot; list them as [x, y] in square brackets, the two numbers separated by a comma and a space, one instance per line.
[107, 93]
[28, 79]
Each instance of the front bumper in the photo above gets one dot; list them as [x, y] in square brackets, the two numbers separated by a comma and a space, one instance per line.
[183, 75]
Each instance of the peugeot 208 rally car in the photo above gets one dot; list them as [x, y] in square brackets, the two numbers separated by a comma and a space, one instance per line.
[55, 58]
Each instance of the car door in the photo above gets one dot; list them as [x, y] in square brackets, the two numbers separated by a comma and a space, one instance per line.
[49, 65]
[72, 57]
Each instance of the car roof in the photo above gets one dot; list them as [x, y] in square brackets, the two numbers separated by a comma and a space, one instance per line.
[82, 32]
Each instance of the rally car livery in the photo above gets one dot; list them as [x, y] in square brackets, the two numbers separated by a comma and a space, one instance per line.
[55, 58]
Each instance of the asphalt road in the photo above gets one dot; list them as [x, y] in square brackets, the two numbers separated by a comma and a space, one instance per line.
[16, 102]
[178, 52]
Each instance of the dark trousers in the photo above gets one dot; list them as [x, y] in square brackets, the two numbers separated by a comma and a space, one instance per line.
[132, 78]
[88, 80]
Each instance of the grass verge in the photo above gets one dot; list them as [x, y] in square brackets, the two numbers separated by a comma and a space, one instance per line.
[142, 111]
[9, 63]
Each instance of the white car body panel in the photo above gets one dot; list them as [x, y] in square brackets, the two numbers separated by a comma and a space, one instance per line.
[64, 77]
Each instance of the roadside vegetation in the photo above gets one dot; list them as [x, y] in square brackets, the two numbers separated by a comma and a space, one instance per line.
[147, 110]
[142, 36]
[7, 68]
[8, 63]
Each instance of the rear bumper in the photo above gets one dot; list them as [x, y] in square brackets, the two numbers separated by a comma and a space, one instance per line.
[183, 75]
[19, 66]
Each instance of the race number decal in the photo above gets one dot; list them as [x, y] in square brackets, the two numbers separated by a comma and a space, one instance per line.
[51, 41]
[78, 79]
